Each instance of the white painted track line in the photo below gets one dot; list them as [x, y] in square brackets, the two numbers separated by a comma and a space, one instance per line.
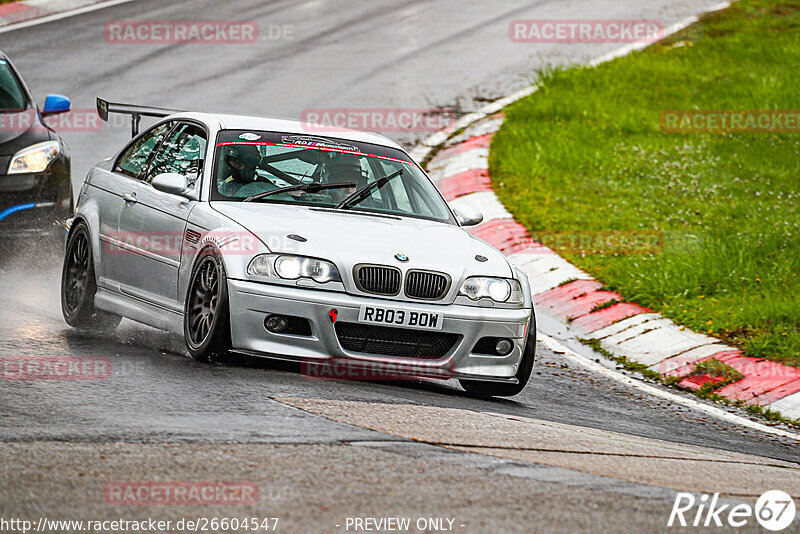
[583, 361]
[62, 15]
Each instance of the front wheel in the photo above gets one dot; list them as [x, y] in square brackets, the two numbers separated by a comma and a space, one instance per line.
[481, 389]
[206, 318]
[79, 287]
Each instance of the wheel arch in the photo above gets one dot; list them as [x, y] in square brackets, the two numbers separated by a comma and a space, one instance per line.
[217, 340]
[204, 248]
[91, 223]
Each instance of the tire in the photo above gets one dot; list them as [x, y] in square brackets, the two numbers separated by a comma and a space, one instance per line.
[480, 389]
[79, 286]
[206, 317]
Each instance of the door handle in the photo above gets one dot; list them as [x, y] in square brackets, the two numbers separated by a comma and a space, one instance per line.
[130, 198]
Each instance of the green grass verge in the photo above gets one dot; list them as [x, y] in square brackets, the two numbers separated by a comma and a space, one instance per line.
[586, 153]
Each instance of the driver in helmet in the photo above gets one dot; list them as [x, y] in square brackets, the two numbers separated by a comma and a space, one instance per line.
[239, 171]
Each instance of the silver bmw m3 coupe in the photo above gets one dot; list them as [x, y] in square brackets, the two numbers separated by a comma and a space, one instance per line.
[251, 235]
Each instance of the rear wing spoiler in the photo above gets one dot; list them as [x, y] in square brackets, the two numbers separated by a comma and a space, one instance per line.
[104, 108]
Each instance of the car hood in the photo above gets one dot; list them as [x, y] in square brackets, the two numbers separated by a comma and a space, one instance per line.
[19, 129]
[349, 238]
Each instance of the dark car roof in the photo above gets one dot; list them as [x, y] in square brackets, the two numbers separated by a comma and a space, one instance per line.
[11, 142]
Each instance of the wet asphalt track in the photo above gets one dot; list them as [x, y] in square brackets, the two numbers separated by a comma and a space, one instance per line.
[410, 54]
[157, 393]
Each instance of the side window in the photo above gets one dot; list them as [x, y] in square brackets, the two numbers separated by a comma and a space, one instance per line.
[133, 160]
[183, 152]
[11, 95]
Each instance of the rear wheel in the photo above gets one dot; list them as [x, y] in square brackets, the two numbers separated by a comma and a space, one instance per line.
[482, 389]
[79, 287]
[206, 323]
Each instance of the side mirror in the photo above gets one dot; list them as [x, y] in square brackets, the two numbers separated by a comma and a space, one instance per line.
[468, 216]
[172, 183]
[55, 104]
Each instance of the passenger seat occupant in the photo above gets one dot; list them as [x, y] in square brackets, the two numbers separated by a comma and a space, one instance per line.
[239, 171]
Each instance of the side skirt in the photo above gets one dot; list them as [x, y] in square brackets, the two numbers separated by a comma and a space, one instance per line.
[139, 310]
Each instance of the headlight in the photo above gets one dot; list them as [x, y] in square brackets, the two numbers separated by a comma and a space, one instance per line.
[34, 158]
[502, 290]
[293, 268]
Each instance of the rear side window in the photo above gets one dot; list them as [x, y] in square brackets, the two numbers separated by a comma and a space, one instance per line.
[182, 152]
[11, 95]
[134, 158]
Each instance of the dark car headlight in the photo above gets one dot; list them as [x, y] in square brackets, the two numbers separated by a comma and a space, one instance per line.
[34, 158]
[291, 267]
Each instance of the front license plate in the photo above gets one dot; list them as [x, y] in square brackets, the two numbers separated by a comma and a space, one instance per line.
[392, 317]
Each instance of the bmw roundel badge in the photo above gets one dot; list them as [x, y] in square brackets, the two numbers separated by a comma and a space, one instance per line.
[401, 257]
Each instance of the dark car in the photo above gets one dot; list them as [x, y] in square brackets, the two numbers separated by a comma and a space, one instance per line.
[35, 190]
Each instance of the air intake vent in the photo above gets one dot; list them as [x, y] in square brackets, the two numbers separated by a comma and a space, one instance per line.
[399, 342]
[191, 237]
[427, 285]
[378, 279]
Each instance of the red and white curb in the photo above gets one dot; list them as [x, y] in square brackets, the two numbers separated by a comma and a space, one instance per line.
[19, 12]
[29, 12]
[460, 170]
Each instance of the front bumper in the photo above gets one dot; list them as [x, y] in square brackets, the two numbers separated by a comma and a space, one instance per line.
[36, 203]
[251, 302]
[33, 204]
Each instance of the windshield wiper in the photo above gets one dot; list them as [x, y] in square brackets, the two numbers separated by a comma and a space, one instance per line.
[311, 188]
[366, 191]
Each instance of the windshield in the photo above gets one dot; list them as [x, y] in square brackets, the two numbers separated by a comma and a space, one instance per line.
[12, 98]
[324, 172]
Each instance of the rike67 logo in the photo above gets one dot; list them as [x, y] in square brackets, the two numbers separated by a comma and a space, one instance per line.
[774, 510]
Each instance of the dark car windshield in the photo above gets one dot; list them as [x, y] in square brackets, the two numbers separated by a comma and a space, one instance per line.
[250, 164]
[12, 97]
